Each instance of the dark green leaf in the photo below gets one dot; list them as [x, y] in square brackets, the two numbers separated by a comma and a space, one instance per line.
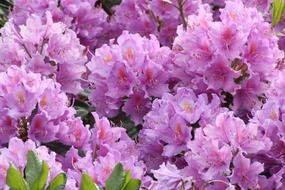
[84, 111]
[87, 183]
[5, 7]
[133, 184]
[33, 168]
[108, 4]
[111, 3]
[116, 180]
[278, 9]
[57, 147]
[15, 180]
[122, 120]
[58, 183]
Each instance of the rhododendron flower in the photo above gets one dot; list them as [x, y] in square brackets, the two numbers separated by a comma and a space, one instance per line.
[168, 126]
[236, 50]
[36, 104]
[46, 47]
[133, 70]
[169, 176]
[188, 94]
[245, 173]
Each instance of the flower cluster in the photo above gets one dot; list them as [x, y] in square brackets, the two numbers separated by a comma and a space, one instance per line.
[16, 154]
[172, 122]
[270, 120]
[143, 94]
[128, 74]
[108, 146]
[220, 155]
[78, 15]
[157, 17]
[236, 55]
[49, 48]
[35, 107]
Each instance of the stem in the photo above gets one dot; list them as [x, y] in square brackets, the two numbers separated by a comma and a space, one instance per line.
[23, 129]
[182, 185]
[27, 51]
[181, 11]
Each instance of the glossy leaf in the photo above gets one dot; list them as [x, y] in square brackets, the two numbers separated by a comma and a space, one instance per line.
[15, 180]
[128, 177]
[33, 168]
[116, 180]
[133, 184]
[58, 183]
[41, 181]
[87, 183]
[278, 8]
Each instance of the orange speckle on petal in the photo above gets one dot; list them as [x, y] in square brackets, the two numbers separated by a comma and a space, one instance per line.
[187, 106]
[273, 115]
[43, 101]
[178, 131]
[108, 58]
[21, 97]
[233, 15]
[129, 53]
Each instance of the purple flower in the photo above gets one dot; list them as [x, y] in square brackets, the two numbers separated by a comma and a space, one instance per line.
[119, 72]
[213, 159]
[246, 173]
[169, 176]
[73, 132]
[8, 127]
[235, 133]
[228, 40]
[168, 126]
[219, 75]
[47, 47]
[137, 106]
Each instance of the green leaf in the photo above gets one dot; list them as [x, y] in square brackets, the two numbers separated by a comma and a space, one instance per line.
[87, 183]
[278, 9]
[15, 180]
[128, 177]
[133, 184]
[39, 184]
[57, 147]
[111, 3]
[58, 183]
[108, 4]
[33, 168]
[116, 180]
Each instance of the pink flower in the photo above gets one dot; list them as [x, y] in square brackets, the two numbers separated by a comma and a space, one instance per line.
[169, 176]
[33, 32]
[228, 39]
[220, 76]
[213, 159]
[73, 132]
[137, 106]
[42, 130]
[245, 172]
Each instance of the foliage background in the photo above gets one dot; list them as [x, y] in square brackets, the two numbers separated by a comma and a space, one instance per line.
[5, 7]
